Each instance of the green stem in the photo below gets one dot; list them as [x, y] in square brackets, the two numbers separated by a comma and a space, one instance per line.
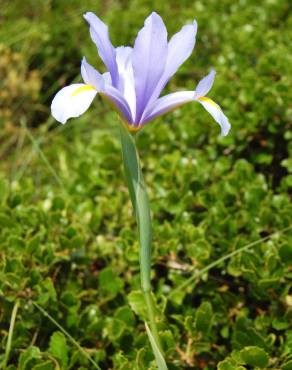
[141, 207]
[10, 334]
[152, 317]
[69, 336]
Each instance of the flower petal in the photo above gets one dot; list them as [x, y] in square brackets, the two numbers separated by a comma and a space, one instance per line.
[172, 101]
[149, 58]
[91, 76]
[100, 36]
[167, 103]
[216, 113]
[119, 102]
[72, 101]
[126, 74]
[180, 48]
[204, 86]
[102, 83]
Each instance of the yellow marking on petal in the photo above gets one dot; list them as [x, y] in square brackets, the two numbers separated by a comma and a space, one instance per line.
[81, 89]
[208, 100]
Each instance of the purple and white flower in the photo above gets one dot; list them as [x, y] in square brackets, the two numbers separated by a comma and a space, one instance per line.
[136, 76]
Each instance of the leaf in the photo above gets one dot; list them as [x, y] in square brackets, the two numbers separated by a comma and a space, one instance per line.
[245, 335]
[58, 348]
[254, 356]
[287, 365]
[30, 354]
[204, 316]
[44, 366]
[109, 282]
[137, 303]
[229, 364]
[158, 355]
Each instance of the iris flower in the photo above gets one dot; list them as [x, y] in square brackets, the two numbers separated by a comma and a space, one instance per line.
[137, 75]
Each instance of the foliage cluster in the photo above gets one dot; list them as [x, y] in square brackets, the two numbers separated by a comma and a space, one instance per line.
[67, 235]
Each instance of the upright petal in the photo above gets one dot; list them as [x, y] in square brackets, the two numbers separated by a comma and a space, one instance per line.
[126, 75]
[204, 86]
[100, 36]
[72, 101]
[180, 48]
[91, 76]
[216, 113]
[149, 58]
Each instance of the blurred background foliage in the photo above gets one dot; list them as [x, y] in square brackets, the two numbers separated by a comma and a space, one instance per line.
[67, 236]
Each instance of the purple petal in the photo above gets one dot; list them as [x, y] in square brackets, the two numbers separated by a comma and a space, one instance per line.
[204, 86]
[180, 48]
[100, 82]
[149, 58]
[167, 103]
[100, 36]
[175, 100]
[91, 76]
[119, 102]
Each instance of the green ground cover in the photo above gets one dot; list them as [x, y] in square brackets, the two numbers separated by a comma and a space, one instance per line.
[68, 244]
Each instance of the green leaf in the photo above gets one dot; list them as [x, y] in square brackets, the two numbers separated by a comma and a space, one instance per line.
[229, 364]
[204, 316]
[158, 355]
[287, 365]
[27, 356]
[137, 302]
[109, 282]
[58, 348]
[44, 366]
[254, 356]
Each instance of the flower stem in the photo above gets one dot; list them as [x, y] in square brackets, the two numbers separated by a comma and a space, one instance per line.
[152, 317]
[141, 207]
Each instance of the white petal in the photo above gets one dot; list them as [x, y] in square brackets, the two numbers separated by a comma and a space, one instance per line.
[72, 101]
[127, 82]
[216, 113]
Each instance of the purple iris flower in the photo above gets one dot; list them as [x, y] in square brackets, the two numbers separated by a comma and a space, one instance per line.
[136, 76]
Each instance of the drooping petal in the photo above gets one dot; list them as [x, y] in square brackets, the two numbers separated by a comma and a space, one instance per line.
[172, 101]
[91, 76]
[149, 58]
[100, 36]
[126, 75]
[216, 113]
[168, 103]
[72, 101]
[204, 86]
[180, 48]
